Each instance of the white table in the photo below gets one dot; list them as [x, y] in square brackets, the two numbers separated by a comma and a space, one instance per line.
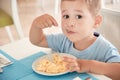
[24, 48]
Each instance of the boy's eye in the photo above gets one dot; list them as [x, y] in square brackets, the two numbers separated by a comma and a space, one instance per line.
[66, 16]
[78, 16]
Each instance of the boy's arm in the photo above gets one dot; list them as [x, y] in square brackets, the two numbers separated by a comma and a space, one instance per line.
[36, 35]
[111, 70]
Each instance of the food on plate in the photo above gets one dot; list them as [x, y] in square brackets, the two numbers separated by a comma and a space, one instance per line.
[56, 65]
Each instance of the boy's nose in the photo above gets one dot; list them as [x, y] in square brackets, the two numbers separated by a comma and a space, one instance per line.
[71, 23]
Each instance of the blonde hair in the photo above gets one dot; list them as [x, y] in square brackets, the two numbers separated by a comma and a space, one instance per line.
[94, 6]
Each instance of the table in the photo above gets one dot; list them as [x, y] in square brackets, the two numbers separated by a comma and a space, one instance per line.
[24, 48]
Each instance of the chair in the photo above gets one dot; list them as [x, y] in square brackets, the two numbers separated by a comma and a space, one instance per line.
[56, 5]
[9, 16]
[6, 20]
[115, 1]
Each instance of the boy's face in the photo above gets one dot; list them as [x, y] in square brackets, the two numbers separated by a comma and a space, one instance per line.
[77, 21]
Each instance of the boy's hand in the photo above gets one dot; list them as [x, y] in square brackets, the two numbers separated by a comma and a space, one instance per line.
[77, 65]
[44, 21]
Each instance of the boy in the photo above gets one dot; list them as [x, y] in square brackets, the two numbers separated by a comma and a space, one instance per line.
[79, 20]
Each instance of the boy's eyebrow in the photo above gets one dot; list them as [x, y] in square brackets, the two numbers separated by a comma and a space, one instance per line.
[79, 11]
[64, 11]
[75, 10]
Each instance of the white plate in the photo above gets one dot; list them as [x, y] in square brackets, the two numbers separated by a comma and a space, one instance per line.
[48, 56]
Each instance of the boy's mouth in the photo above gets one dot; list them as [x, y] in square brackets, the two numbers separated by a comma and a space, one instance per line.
[70, 32]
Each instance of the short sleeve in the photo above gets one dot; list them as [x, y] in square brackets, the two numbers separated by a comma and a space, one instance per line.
[55, 41]
[112, 56]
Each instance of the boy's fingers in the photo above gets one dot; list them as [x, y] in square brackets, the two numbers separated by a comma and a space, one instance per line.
[46, 25]
[45, 21]
[41, 26]
[49, 22]
[73, 64]
[54, 22]
[68, 59]
[74, 69]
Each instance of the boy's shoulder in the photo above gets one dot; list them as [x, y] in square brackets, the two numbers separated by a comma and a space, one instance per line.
[104, 43]
[59, 38]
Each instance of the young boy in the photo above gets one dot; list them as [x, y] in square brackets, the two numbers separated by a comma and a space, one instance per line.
[79, 20]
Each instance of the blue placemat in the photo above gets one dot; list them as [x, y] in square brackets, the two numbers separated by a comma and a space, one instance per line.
[6, 55]
[22, 70]
[14, 71]
[34, 76]
[69, 76]
[27, 61]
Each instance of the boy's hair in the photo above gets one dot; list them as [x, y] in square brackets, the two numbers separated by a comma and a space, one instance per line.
[94, 6]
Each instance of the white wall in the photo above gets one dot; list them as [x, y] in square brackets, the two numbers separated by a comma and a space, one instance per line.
[110, 27]
[5, 5]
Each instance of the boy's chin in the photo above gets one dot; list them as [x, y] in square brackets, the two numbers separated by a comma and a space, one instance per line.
[72, 39]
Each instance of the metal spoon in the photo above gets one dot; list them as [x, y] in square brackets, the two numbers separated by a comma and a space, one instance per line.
[88, 78]
[1, 70]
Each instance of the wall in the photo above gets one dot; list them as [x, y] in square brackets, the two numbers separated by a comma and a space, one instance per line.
[110, 27]
[6, 6]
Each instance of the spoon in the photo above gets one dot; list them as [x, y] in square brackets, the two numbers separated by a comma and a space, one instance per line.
[1, 70]
[88, 78]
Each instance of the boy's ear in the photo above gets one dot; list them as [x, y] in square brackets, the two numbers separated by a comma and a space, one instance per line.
[98, 21]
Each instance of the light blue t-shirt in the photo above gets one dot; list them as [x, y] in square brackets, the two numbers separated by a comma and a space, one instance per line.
[100, 50]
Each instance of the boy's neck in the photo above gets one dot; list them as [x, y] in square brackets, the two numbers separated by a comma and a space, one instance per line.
[85, 43]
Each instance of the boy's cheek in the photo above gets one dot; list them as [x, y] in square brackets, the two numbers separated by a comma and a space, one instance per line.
[64, 23]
